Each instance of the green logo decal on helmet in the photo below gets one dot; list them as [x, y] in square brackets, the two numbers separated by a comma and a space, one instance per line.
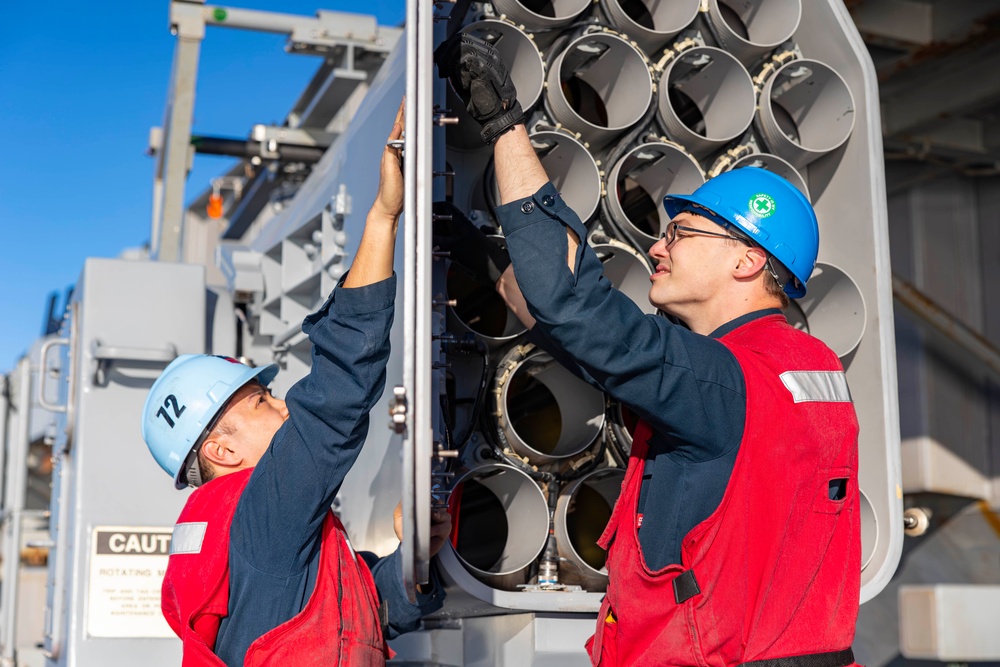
[762, 205]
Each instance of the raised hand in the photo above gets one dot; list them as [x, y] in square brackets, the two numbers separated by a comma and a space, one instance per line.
[480, 77]
[389, 200]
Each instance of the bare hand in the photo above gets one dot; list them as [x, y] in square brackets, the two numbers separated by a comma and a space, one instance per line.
[389, 200]
[440, 530]
[397, 521]
[440, 527]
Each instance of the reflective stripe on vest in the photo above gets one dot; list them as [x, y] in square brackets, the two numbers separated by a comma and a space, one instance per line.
[188, 538]
[826, 386]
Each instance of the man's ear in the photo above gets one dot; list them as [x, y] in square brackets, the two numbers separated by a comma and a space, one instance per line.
[752, 261]
[218, 450]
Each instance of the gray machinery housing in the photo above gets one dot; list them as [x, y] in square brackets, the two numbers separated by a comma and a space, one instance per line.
[624, 105]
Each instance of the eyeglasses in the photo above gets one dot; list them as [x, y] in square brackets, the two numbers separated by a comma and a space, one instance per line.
[670, 235]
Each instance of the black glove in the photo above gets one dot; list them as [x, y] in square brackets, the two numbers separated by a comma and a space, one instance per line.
[480, 77]
[483, 258]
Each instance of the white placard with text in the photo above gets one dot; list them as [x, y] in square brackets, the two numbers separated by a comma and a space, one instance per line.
[127, 564]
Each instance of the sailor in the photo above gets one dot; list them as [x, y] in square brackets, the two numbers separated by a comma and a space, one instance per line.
[261, 572]
[736, 538]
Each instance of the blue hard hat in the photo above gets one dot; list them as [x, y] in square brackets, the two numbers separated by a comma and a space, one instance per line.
[184, 401]
[765, 207]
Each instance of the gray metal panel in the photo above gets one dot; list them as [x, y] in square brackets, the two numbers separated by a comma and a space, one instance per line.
[909, 337]
[15, 479]
[962, 546]
[41, 421]
[336, 89]
[989, 211]
[525, 640]
[105, 475]
[848, 189]
[420, 160]
[5, 409]
[947, 420]
[333, 203]
[949, 622]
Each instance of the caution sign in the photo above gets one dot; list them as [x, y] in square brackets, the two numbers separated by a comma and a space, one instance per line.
[127, 565]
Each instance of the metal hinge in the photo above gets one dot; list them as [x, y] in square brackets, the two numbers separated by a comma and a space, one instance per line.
[398, 409]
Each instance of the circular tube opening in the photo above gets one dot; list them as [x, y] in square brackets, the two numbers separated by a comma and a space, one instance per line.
[582, 512]
[599, 87]
[640, 180]
[775, 164]
[541, 14]
[806, 110]
[527, 72]
[479, 309]
[751, 28]
[546, 413]
[649, 22]
[706, 99]
[627, 271]
[832, 310]
[569, 166]
[500, 524]
[869, 531]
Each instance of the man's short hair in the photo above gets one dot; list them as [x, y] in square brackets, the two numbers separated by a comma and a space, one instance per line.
[208, 472]
[776, 276]
[772, 286]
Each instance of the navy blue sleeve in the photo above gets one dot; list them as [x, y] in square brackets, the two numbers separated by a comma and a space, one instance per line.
[276, 529]
[674, 379]
[279, 517]
[404, 616]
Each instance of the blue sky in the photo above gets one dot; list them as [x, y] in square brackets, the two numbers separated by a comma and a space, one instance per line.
[81, 84]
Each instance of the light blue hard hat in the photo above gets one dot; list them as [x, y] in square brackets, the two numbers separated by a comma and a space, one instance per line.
[765, 207]
[184, 402]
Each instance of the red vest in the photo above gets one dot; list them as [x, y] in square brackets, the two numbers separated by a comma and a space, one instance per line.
[338, 626]
[778, 563]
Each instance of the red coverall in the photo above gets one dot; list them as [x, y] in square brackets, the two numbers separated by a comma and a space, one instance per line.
[777, 565]
[338, 626]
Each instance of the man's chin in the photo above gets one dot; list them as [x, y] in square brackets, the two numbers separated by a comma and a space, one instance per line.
[660, 304]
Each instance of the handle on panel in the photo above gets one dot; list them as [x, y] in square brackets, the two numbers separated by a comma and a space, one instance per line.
[43, 354]
[104, 355]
